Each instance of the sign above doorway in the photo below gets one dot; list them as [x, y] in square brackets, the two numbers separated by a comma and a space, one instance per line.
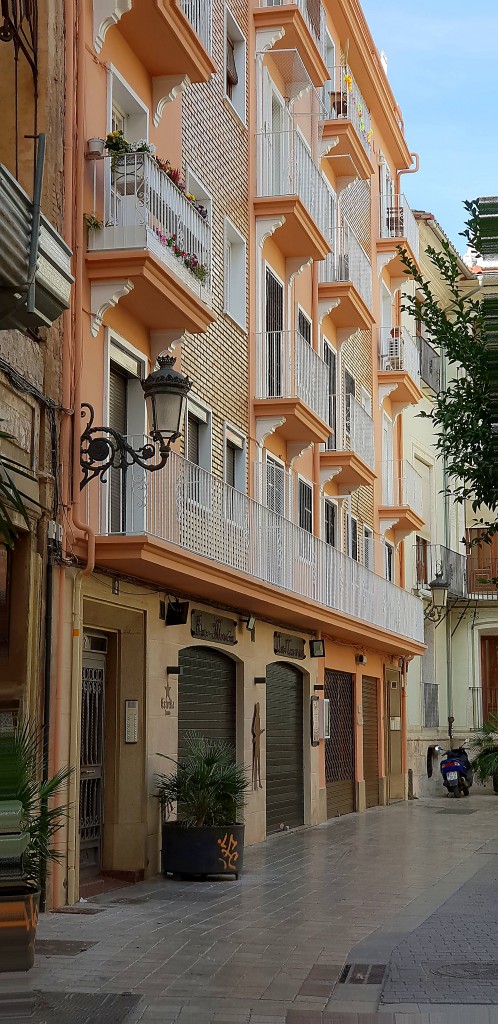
[289, 646]
[204, 626]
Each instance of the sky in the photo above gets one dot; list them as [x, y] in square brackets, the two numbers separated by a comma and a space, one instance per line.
[443, 69]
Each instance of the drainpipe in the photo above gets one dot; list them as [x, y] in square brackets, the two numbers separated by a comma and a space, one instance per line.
[411, 170]
[447, 621]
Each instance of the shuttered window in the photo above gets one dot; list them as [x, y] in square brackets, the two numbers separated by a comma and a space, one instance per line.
[232, 76]
[275, 486]
[230, 456]
[352, 537]
[274, 322]
[367, 548]
[330, 523]
[304, 326]
[431, 705]
[389, 562]
[421, 555]
[193, 440]
[118, 416]
[305, 506]
[329, 357]
[349, 393]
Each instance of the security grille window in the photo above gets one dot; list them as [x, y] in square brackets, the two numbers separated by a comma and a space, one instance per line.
[330, 360]
[349, 393]
[193, 439]
[368, 548]
[352, 537]
[304, 326]
[421, 556]
[389, 562]
[232, 76]
[330, 523]
[305, 506]
[431, 705]
[274, 321]
[118, 417]
[275, 486]
[230, 457]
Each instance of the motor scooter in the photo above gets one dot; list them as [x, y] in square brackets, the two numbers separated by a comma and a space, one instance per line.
[456, 772]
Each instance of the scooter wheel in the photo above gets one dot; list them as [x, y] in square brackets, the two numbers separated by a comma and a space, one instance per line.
[457, 792]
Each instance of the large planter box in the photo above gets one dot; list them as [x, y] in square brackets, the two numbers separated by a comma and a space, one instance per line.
[19, 917]
[202, 851]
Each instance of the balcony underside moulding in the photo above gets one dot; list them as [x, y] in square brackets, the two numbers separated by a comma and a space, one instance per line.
[165, 88]
[295, 449]
[326, 306]
[107, 13]
[105, 295]
[267, 425]
[162, 341]
[266, 227]
[384, 391]
[401, 519]
[295, 265]
[266, 38]
[327, 474]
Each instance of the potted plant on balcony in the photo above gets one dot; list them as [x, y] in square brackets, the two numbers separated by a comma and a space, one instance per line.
[28, 824]
[127, 161]
[207, 788]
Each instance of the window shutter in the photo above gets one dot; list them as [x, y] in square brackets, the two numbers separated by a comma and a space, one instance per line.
[304, 326]
[305, 506]
[193, 440]
[118, 385]
[330, 521]
[230, 464]
[232, 76]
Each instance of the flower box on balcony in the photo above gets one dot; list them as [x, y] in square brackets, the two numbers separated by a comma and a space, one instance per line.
[52, 281]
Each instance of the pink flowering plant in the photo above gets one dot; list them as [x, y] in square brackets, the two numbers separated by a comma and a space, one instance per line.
[189, 260]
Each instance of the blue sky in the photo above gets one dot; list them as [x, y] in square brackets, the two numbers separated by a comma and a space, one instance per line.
[443, 69]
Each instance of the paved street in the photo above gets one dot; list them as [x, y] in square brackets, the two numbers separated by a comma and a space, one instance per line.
[325, 924]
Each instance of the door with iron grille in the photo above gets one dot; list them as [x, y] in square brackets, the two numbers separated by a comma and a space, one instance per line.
[284, 746]
[91, 763]
[339, 749]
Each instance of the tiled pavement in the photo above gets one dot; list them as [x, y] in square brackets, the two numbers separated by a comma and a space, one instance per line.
[271, 947]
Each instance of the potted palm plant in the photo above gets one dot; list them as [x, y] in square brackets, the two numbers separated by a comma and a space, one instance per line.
[28, 824]
[207, 788]
[485, 762]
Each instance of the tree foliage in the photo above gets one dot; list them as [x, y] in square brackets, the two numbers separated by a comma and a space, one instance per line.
[10, 501]
[461, 412]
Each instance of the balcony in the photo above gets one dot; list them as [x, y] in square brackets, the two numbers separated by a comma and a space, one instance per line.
[348, 459]
[397, 228]
[290, 187]
[187, 527]
[399, 366]
[145, 218]
[430, 365]
[431, 559]
[292, 385]
[482, 579]
[347, 122]
[346, 275]
[168, 37]
[402, 505]
[22, 307]
[305, 30]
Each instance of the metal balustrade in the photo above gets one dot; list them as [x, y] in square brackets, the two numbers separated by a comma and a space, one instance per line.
[288, 367]
[475, 708]
[358, 430]
[186, 506]
[399, 351]
[198, 13]
[402, 485]
[347, 261]
[431, 559]
[482, 580]
[286, 168]
[343, 101]
[143, 209]
[313, 13]
[397, 221]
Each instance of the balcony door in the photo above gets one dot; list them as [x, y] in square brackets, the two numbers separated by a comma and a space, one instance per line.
[387, 461]
[126, 495]
[274, 323]
[349, 394]
[118, 418]
[330, 359]
[277, 503]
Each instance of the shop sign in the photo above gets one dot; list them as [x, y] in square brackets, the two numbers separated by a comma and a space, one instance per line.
[289, 646]
[221, 630]
[315, 721]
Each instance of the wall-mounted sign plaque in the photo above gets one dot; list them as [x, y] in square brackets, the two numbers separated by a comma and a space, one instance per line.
[204, 626]
[288, 645]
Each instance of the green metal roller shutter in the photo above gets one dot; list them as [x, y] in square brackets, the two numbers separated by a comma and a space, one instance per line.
[206, 695]
[284, 747]
[339, 749]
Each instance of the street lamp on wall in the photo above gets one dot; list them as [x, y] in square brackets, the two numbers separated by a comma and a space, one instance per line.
[103, 448]
[439, 592]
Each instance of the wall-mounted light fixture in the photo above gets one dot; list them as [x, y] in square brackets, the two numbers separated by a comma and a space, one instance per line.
[260, 680]
[439, 591]
[317, 648]
[251, 622]
[177, 613]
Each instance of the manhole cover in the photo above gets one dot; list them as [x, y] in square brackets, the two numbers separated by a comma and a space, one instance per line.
[61, 947]
[77, 909]
[474, 971]
[80, 1008]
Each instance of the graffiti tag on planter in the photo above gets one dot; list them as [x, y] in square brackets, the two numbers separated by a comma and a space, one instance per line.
[229, 855]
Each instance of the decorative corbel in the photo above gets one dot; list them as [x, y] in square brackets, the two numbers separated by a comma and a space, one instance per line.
[345, 181]
[267, 37]
[398, 408]
[295, 449]
[325, 146]
[107, 13]
[266, 425]
[383, 259]
[165, 88]
[397, 284]
[325, 306]
[387, 524]
[295, 265]
[266, 227]
[105, 295]
[327, 475]
[164, 341]
[384, 391]
[343, 334]
[300, 90]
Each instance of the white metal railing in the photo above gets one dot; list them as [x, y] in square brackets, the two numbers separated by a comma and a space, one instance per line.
[288, 367]
[186, 506]
[343, 101]
[143, 208]
[431, 559]
[397, 221]
[358, 430]
[399, 351]
[198, 13]
[348, 261]
[286, 168]
[475, 708]
[402, 485]
[313, 13]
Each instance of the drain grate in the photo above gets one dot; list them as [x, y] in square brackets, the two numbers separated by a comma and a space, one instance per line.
[472, 971]
[78, 909]
[80, 1008]
[363, 974]
[61, 947]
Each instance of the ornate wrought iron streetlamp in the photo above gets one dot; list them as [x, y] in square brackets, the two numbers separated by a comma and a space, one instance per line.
[103, 448]
[439, 591]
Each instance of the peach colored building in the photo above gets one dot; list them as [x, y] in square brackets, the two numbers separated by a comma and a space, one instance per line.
[250, 229]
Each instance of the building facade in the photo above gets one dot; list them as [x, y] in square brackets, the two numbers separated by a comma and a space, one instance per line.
[243, 217]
